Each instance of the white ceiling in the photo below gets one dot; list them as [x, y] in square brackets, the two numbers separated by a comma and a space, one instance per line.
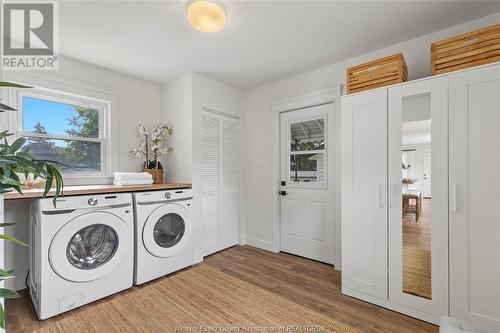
[263, 41]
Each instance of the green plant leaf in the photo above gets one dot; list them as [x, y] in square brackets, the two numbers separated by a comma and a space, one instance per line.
[2, 317]
[13, 85]
[7, 293]
[16, 145]
[5, 133]
[4, 107]
[5, 273]
[9, 181]
[6, 169]
[48, 185]
[13, 239]
[6, 224]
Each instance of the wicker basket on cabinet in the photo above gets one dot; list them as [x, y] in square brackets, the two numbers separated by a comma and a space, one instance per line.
[377, 73]
[468, 50]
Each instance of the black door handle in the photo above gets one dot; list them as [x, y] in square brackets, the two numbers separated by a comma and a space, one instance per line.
[283, 193]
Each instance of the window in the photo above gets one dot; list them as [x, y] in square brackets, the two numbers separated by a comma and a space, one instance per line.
[66, 129]
[307, 152]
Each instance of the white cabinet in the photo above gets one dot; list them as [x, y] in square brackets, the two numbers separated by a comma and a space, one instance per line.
[475, 196]
[364, 193]
[448, 238]
[392, 255]
[219, 183]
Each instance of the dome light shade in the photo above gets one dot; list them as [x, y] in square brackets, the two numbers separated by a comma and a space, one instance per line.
[206, 15]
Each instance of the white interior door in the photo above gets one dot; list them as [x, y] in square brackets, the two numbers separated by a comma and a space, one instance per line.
[364, 194]
[427, 173]
[308, 183]
[418, 226]
[475, 196]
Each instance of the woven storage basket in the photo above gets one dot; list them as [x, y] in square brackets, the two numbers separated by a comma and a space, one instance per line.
[468, 50]
[377, 73]
[157, 175]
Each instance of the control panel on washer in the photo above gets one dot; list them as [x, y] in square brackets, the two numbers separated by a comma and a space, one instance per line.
[87, 201]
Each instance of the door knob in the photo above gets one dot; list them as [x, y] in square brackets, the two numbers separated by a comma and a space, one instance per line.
[283, 193]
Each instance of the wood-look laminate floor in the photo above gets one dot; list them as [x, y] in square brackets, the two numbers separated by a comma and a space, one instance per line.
[248, 285]
[417, 252]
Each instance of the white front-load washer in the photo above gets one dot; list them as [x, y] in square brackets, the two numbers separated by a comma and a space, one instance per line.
[81, 250]
[164, 233]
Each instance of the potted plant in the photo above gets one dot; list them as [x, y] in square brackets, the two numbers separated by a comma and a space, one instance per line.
[151, 149]
[14, 162]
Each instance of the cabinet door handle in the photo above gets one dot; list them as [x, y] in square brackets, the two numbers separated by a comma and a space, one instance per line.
[392, 192]
[453, 198]
[382, 194]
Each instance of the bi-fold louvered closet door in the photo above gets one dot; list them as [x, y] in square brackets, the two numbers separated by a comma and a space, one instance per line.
[219, 182]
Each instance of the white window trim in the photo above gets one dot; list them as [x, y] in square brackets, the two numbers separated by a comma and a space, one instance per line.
[52, 86]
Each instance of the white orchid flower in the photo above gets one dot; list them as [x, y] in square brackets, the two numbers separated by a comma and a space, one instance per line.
[142, 130]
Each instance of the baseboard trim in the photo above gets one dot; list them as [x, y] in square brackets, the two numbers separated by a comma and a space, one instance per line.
[430, 318]
[261, 244]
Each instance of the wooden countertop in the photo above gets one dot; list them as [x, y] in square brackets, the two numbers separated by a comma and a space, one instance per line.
[95, 189]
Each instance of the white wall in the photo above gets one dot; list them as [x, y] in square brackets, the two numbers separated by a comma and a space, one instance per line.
[176, 109]
[257, 121]
[182, 102]
[137, 102]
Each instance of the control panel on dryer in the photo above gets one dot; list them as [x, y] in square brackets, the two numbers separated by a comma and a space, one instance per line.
[170, 195]
[178, 194]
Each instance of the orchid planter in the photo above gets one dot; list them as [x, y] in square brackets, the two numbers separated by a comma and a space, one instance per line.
[157, 173]
[151, 149]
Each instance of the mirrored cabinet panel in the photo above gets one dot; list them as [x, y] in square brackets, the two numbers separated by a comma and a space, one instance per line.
[416, 197]
[417, 123]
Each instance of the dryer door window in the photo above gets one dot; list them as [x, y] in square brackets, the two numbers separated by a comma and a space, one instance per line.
[169, 229]
[92, 246]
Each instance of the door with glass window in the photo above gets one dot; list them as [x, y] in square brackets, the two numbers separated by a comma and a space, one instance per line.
[307, 183]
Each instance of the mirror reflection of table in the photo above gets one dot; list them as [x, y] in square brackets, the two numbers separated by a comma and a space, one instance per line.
[406, 182]
[412, 203]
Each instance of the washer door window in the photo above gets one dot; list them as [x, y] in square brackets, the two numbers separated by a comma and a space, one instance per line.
[166, 230]
[89, 246]
[92, 246]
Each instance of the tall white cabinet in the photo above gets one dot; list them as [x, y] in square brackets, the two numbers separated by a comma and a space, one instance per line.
[364, 193]
[475, 196]
[219, 183]
[446, 260]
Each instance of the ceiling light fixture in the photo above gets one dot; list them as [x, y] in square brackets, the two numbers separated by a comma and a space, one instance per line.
[206, 15]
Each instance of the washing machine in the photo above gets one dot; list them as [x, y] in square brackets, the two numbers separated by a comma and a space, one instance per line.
[164, 233]
[82, 250]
